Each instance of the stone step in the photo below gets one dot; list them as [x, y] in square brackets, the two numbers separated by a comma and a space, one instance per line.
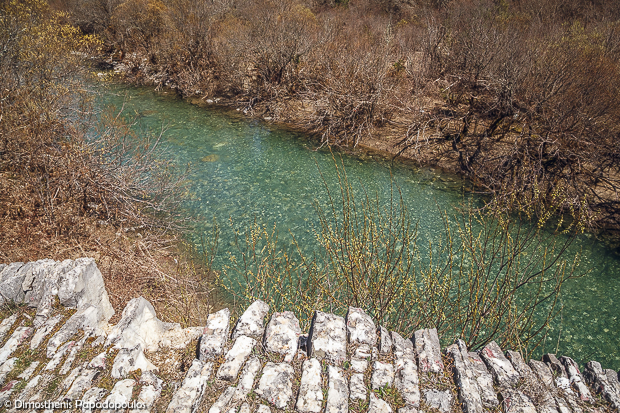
[69, 353]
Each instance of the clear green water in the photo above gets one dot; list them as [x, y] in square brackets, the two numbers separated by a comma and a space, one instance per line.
[248, 171]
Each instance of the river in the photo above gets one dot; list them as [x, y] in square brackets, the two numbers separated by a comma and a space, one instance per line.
[246, 171]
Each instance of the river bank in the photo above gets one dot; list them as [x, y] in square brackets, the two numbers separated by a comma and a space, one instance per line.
[393, 140]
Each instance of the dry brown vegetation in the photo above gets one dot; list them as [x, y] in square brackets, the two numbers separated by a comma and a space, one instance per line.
[519, 96]
[72, 187]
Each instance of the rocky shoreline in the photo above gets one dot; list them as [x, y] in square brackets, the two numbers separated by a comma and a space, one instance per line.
[59, 351]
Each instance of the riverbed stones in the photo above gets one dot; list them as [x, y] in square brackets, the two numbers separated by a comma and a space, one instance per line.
[338, 391]
[310, 398]
[251, 322]
[235, 358]
[276, 384]
[465, 379]
[500, 367]
[327, 338]
[438, 399]
[215, 335]
[189, 396]
[428, 349]
[382, 375]
[282, 335]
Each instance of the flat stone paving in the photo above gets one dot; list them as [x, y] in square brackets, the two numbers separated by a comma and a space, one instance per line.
[260, 362]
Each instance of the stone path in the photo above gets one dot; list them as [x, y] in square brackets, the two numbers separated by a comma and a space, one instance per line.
[59, 353]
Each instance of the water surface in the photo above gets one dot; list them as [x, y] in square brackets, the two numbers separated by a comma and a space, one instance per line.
[246, 171]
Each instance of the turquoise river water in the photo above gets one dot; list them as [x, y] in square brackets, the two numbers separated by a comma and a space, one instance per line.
[245, 171]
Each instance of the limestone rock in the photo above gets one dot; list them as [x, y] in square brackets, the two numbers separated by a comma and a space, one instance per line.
[150, 392]
[82, 286]
[327, 338]
[73, 353]
[91, 397]
[11, 280]
[555, 365]
[403, 349]
[428, 349]
[574, 375]
[215, 335]
[139, 325]
[6, 368]
[263, 409]
[377, 405]
[465, 379]
[359, 366]
[310, 396]
[84, 319]
[220, 404]
[246, 382]
[598, 379]
[60, 353]
[382, 375]
[26, 374]
[20, 335]
[276, 384]
[81, 383]
[121, 393]
[6, 325]
[502, 370]
[360, 328]
[338, 392]
[99, 361]
[484, 380]
[251, 323]
[516, 402]
[130, 359]
[437, 399]
[235, 358]
[189, 396]
[44, 330]
[543, 372]
[282, 334]
[407, 382]
[357, 387]
[385, 341]
[7, 390]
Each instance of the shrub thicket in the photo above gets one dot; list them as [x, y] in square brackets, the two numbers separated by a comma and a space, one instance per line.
[519, 96]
